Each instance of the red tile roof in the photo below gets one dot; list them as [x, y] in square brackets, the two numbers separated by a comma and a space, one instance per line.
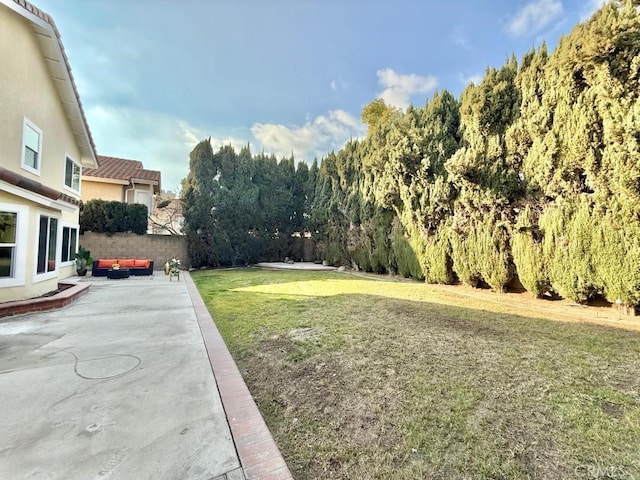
[29, 7]
[121, 169]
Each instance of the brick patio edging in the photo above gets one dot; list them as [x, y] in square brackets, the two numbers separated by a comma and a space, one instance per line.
[62, 299]
[258, 453]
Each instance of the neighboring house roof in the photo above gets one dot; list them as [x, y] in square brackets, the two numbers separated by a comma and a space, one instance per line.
[57, 62]
[122, 171]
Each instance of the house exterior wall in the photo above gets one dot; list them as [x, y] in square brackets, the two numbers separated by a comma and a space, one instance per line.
[92, 189]
[27, 90]
[96, 189]
[30, 284]
[131, 195]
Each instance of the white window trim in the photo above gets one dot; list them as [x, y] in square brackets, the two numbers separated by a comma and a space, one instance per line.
[64, 174]
[41, 277]
[36, 171]
[74, 248]
[149, 197]
[22, 225]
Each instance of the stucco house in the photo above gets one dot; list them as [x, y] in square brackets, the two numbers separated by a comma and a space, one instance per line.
[45, 142]
[121, 180]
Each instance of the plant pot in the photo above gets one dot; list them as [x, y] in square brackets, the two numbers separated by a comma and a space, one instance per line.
[81, 267]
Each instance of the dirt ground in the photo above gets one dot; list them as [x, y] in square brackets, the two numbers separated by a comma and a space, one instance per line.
[558, 310]
[525, 304]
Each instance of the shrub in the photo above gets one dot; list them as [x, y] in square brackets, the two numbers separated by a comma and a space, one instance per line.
[464, 255]
[480, 251]
[526, 248]
[567, 227]
[615, 249]
[404, 251]
[437, 259]
[102, 216]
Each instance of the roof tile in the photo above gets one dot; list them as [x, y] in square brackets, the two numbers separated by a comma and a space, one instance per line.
[121, 169]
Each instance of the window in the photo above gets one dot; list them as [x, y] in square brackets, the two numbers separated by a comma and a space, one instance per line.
[143, 197]
[72, 175]
[13, 231]
[31, 147]
[69, 243]
[47, 237]
[8, 224]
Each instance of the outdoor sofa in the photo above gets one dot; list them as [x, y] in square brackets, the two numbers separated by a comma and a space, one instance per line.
[135, 266]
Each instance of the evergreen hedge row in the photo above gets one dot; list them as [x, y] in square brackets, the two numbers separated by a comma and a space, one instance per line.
[101, 216]
[532, 174]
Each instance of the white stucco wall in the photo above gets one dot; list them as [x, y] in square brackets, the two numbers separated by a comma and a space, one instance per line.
[92, 189]
[27, 90]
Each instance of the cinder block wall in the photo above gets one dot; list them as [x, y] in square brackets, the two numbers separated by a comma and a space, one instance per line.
[129, 245]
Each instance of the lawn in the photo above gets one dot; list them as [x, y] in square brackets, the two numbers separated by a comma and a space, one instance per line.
[361, 378]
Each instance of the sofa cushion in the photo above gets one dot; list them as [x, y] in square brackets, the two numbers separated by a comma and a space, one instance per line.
[106, 262]
[142, 263]
[126, 262]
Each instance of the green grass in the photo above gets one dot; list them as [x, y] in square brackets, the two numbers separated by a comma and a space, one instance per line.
[361, 379]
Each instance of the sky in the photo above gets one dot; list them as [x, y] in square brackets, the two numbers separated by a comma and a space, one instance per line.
[155, 77]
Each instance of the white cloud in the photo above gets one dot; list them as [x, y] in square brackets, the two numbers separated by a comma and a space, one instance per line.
[458, 37]
[160, 142]
[346, 119]
[535, 16]
[476, 79]
[338, 84]
[399, 88]
[313, 139]
[163, 142]
[237, 143]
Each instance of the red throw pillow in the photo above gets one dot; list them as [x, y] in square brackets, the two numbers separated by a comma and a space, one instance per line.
[126, 262]
[106, 262]
[142, 263]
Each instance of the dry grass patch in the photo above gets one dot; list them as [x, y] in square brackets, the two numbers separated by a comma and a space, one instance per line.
[367, 379]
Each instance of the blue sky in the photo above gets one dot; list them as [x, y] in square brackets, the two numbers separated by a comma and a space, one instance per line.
[157, 76]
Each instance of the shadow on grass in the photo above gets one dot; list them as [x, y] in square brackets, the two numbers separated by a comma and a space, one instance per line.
[365, 379]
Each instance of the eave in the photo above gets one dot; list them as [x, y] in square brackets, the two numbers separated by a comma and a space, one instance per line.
[27, 188]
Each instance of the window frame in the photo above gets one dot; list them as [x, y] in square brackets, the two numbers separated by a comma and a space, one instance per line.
[26, 123]
[47, 274]
[72, 249]
[69, 158]
[20, 254]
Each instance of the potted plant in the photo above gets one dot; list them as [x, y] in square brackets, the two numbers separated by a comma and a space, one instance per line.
[174, 268]
[83, 258]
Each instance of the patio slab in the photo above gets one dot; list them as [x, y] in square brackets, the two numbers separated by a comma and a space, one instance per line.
[116, 385]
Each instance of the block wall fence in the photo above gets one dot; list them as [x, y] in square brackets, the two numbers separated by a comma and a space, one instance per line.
[159, 248]
[129, 245]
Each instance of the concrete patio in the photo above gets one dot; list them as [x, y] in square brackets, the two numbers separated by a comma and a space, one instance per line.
[121, 384]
